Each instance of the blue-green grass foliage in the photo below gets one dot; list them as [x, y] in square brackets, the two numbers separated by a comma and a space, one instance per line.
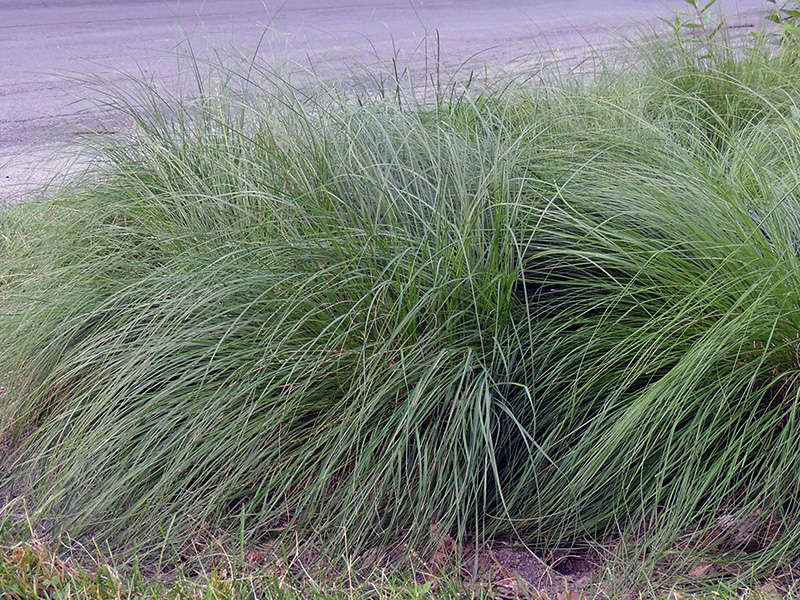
[552, 312]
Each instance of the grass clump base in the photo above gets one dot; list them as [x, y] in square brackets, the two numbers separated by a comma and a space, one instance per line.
[557, 314]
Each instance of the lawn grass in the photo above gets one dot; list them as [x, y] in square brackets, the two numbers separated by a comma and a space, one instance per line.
[557, 313]
[31, 571]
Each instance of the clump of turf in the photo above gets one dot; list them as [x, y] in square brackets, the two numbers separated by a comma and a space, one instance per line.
[552, 313]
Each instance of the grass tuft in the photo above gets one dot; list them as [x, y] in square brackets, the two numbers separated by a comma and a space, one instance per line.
[556, 313]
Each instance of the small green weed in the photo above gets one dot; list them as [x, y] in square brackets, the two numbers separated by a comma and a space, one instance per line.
[699, 18]
[787, 16]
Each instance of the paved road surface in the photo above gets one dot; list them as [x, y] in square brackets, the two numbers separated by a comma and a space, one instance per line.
[46, 44]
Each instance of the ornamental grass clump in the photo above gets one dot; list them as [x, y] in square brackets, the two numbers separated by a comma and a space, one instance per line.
[549, 313]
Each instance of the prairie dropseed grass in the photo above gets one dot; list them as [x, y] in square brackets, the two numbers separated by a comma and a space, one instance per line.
[555, 313]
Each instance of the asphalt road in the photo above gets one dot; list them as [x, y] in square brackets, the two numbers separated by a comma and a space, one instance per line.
[49, 49]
